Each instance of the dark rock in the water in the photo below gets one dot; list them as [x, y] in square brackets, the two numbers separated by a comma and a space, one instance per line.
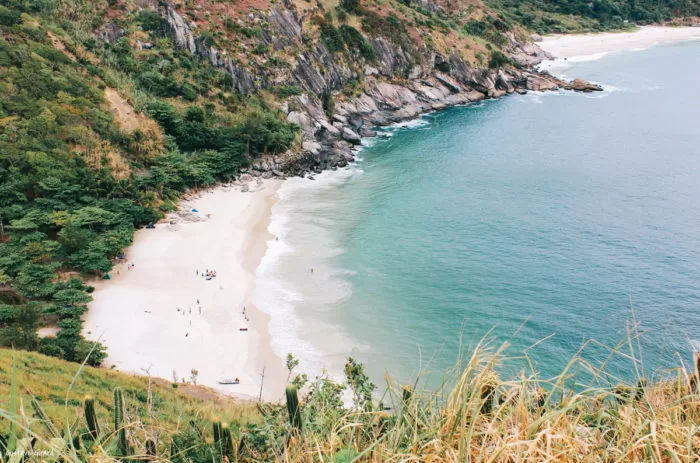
[351, 136]
[542, 82]
[580, 85]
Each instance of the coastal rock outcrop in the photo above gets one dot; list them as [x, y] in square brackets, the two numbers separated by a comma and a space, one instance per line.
[581, 85]
[397, 84]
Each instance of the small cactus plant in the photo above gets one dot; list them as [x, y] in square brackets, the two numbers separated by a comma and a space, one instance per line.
[217, 430]
[226, 442]
[150, 448]
[406, 393]
[119, 426]
[293, 406]
[487, 393]
[91, 417]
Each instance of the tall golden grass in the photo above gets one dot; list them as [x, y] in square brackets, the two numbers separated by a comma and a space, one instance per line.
[475, 416]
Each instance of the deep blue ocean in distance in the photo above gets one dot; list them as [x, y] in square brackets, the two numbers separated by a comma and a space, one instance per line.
[543, 220]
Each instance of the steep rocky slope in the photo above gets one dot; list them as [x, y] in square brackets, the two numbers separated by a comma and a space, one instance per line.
[339, 69]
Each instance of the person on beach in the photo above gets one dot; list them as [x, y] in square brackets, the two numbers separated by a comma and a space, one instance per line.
[197, 272]
[312, 270]
[200, 310]
[190, 310]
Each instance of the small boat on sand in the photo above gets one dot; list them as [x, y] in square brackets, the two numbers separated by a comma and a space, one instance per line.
[228, 381]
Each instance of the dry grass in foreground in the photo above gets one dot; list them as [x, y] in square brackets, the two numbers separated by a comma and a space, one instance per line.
[479, 417]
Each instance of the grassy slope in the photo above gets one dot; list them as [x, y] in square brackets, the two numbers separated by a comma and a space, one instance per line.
[479, 417]
[47, 379]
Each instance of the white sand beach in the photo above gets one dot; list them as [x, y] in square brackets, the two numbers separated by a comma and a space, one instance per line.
[149, 316]
[582, 45]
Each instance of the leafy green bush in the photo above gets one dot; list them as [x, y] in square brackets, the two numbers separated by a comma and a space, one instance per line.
[284, 91]
[151, 20]
[498, 60]
[355, 41]
[331, 37]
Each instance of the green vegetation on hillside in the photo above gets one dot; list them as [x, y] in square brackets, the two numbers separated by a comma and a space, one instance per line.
[547, 16]
[476, 416]
[75, 182]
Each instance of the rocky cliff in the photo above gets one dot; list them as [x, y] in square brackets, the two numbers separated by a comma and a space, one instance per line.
[347, 82]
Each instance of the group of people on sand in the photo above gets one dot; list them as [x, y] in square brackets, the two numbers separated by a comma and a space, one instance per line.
[189, 312]
[208, 274]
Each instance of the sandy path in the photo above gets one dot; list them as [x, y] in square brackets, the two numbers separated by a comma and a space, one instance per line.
[136, 313]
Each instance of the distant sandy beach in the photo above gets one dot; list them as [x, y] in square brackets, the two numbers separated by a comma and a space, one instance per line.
[582, 45]
[136, 312]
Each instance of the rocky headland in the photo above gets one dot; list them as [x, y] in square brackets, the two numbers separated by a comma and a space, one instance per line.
[401, 82]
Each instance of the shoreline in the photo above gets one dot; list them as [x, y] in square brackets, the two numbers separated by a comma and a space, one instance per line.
[120, 303]
[593, 45]
[139, 306]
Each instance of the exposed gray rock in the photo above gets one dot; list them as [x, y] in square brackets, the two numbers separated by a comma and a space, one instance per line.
[285, 23]
[503, 82]
[448, 82]
[351, 136]
[581, 85]
[184, 38]
[541, 82]
[391, 58]
[110, 32]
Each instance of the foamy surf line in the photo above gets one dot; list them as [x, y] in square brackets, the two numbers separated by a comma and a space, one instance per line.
[276, 293]
[285, 285]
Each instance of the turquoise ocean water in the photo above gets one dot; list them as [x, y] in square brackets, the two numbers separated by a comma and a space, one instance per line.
[534, 217]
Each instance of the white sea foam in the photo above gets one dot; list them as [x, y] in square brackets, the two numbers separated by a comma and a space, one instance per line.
[412, 123]
[289, 292]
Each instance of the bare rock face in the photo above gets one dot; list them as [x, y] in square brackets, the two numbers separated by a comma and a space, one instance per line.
[581, 85]
[527, 54]
[541, 82]
[184, 38]
[391, 58]
[503, 82]
[351, 136]
[285, 23]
